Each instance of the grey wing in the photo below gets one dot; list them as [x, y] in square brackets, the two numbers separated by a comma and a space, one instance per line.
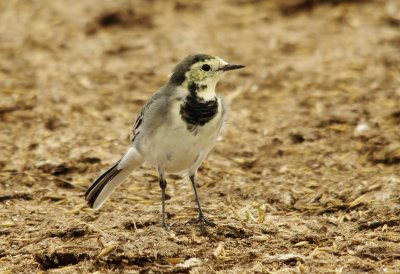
[136, 126]
[147, 113]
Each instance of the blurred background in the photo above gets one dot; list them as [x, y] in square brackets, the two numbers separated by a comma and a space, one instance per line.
[310, 155]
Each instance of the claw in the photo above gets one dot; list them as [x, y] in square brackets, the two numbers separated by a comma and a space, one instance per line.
[208, 222]
[203, 230]
[203, 221]
[165, 226]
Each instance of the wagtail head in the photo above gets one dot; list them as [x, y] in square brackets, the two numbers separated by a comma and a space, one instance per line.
[200, 73]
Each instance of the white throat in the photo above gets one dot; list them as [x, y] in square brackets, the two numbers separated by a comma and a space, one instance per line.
[207, 90]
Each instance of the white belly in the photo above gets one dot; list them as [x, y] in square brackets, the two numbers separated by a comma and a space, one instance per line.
[175, 149]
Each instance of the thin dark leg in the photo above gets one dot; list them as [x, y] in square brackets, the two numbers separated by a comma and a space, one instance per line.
[197, 196]
[202, 220]
[163, 185]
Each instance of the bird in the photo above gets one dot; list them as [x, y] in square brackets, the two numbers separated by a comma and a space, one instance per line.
[174, 132]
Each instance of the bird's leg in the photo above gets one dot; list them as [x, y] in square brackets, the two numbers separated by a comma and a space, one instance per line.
[163, 185]
[202, 220]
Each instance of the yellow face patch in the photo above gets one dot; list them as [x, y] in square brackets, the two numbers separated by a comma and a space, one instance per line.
[197, 74]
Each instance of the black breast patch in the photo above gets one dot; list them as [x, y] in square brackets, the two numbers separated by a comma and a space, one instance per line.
[195, 111]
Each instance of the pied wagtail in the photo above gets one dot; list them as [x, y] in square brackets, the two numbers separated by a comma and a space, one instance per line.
[175, 130]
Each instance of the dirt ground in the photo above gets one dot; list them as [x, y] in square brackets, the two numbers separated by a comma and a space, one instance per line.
[305, 180]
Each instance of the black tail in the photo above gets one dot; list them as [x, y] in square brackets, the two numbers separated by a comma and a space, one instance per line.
[95, 189]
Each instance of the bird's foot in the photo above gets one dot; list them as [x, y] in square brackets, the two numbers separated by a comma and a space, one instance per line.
[202, 222]
[165, 226]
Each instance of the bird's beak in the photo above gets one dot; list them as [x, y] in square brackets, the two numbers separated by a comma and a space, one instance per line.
[232, 67]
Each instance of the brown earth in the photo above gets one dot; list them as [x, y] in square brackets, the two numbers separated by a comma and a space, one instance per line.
[305, 180]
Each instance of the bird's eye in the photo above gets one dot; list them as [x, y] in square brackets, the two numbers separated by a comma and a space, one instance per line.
[206, 67]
